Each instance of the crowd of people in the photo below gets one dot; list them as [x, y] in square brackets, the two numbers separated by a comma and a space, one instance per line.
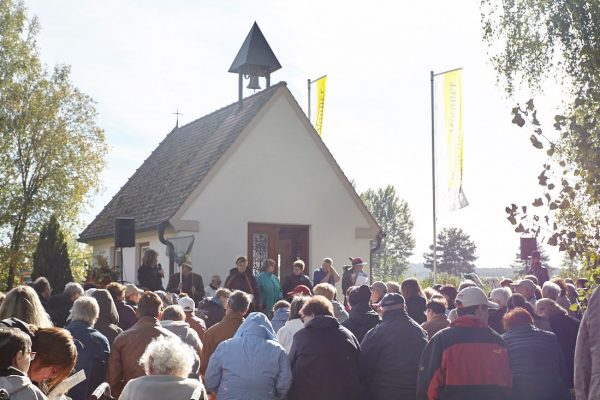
[258, 338]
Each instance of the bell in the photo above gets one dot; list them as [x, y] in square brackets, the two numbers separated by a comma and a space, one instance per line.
[253, 84]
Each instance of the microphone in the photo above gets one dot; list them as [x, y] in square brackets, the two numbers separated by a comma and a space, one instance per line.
[159, 266]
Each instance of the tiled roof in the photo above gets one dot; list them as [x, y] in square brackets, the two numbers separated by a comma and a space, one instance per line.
[175, 168]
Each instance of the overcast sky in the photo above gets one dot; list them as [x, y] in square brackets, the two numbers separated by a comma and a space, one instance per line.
[141, 60]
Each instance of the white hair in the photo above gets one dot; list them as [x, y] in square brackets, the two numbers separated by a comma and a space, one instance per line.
[72, 288]
[85, 309]
[500, 296]
[167, 355]
[550, 290]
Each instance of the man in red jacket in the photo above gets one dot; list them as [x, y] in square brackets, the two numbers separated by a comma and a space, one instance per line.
[467, 361]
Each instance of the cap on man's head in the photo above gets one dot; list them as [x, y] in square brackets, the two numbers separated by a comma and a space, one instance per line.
[379, 286]
[391, 301]
[357, 261]
[187, 303]
[361, 294]
[526, 283]
[186, 264]
[132, 289]
[473, 296]
[300, 290]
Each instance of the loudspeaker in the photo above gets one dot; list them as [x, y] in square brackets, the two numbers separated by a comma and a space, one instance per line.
[528, 246]
[124, 232]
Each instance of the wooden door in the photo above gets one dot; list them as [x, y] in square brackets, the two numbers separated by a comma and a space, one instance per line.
[262, 244]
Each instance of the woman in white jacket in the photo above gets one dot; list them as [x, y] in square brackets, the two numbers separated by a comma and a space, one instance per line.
[285, 336]
[15, 358]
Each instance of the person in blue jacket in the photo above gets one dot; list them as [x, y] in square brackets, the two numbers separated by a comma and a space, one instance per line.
[252, 365]
[269, 287]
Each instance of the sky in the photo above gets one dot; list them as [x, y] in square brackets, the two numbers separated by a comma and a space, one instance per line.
[141, 60]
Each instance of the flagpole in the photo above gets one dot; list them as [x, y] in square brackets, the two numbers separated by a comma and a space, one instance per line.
[433, 179]
[309, 83]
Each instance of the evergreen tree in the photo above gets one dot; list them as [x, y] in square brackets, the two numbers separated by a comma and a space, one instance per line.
[455, 252]
[51, 257]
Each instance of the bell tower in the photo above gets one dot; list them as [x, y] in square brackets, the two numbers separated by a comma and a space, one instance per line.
[254, 60]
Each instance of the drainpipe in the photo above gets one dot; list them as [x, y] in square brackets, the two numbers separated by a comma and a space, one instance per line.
[374, 249]
[161, 236]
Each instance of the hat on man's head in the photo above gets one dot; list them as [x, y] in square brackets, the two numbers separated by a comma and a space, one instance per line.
[391, 301]
[187, 303]
[300, 290]
[361, 294]
[524, 283]
[132, 289]
[357, 261]
[473, 296]
[379, 286]
[186, 264]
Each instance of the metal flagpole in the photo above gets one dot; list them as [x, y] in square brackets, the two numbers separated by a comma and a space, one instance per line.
[309, 99]
[433, 75]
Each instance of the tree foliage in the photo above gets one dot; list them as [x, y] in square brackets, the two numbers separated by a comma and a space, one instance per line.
[394, 217]
[52, 149]
[455, 252]
[51, 257]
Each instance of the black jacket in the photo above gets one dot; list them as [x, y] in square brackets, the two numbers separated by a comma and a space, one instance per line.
[58, 308]
[566, 328]
[291, 281]
[211, 311]
[538, 366]
[192, 281]
[149, 278]
[246, 282]
[416, 307]
[361, 320]
[390, 355]
[324, 359]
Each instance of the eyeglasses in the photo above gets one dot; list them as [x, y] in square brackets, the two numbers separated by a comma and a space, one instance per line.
[31, 354]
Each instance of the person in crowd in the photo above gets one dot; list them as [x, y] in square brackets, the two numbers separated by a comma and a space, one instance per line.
[389, 359]
[132, 295]
[285, 335]
[173, 319]
[92, 346]
[378, 290]
[415, 299]
[475, 360]
[518, 300]
[562, 298]
[213, 286]
[581, 283]
[2, 296]
[107, 323]
[269, 287]
[299, 290]
[564, 327]
[326, 274]
[237, 306]
[187, 281]
[436, 317]
[499, 296]
[128, 347]
[23, 303]
[538, 289]
[59, 305]
[550, 290]
[15, 358]
[43, 289]
[168, 299]
[242, 278]
[361, 318]
[324, 356]
[429, 292]
[281, 312]
[150, 273]
[587, 352]
[167, 363]
[126, 313]
[538, 270]
[189, 307]
[55, 358]
[353, 275]
[527, 289]
[296, 278]
[452, 315]
[536, 360]
[506, 282]
[212, 310]
[327, 290]
[251, 365]
[393, 287]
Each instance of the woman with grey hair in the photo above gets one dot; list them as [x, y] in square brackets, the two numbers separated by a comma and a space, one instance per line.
[92, 346]
[499, 296]
[167, 362]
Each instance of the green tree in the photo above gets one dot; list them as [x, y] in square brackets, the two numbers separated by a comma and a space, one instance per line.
[394, 217]
[52, 150]
[455, 252]
[520, 267]
[51, 257]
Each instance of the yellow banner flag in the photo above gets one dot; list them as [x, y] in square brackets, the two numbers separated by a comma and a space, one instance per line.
[321, 83]
[454, 137]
